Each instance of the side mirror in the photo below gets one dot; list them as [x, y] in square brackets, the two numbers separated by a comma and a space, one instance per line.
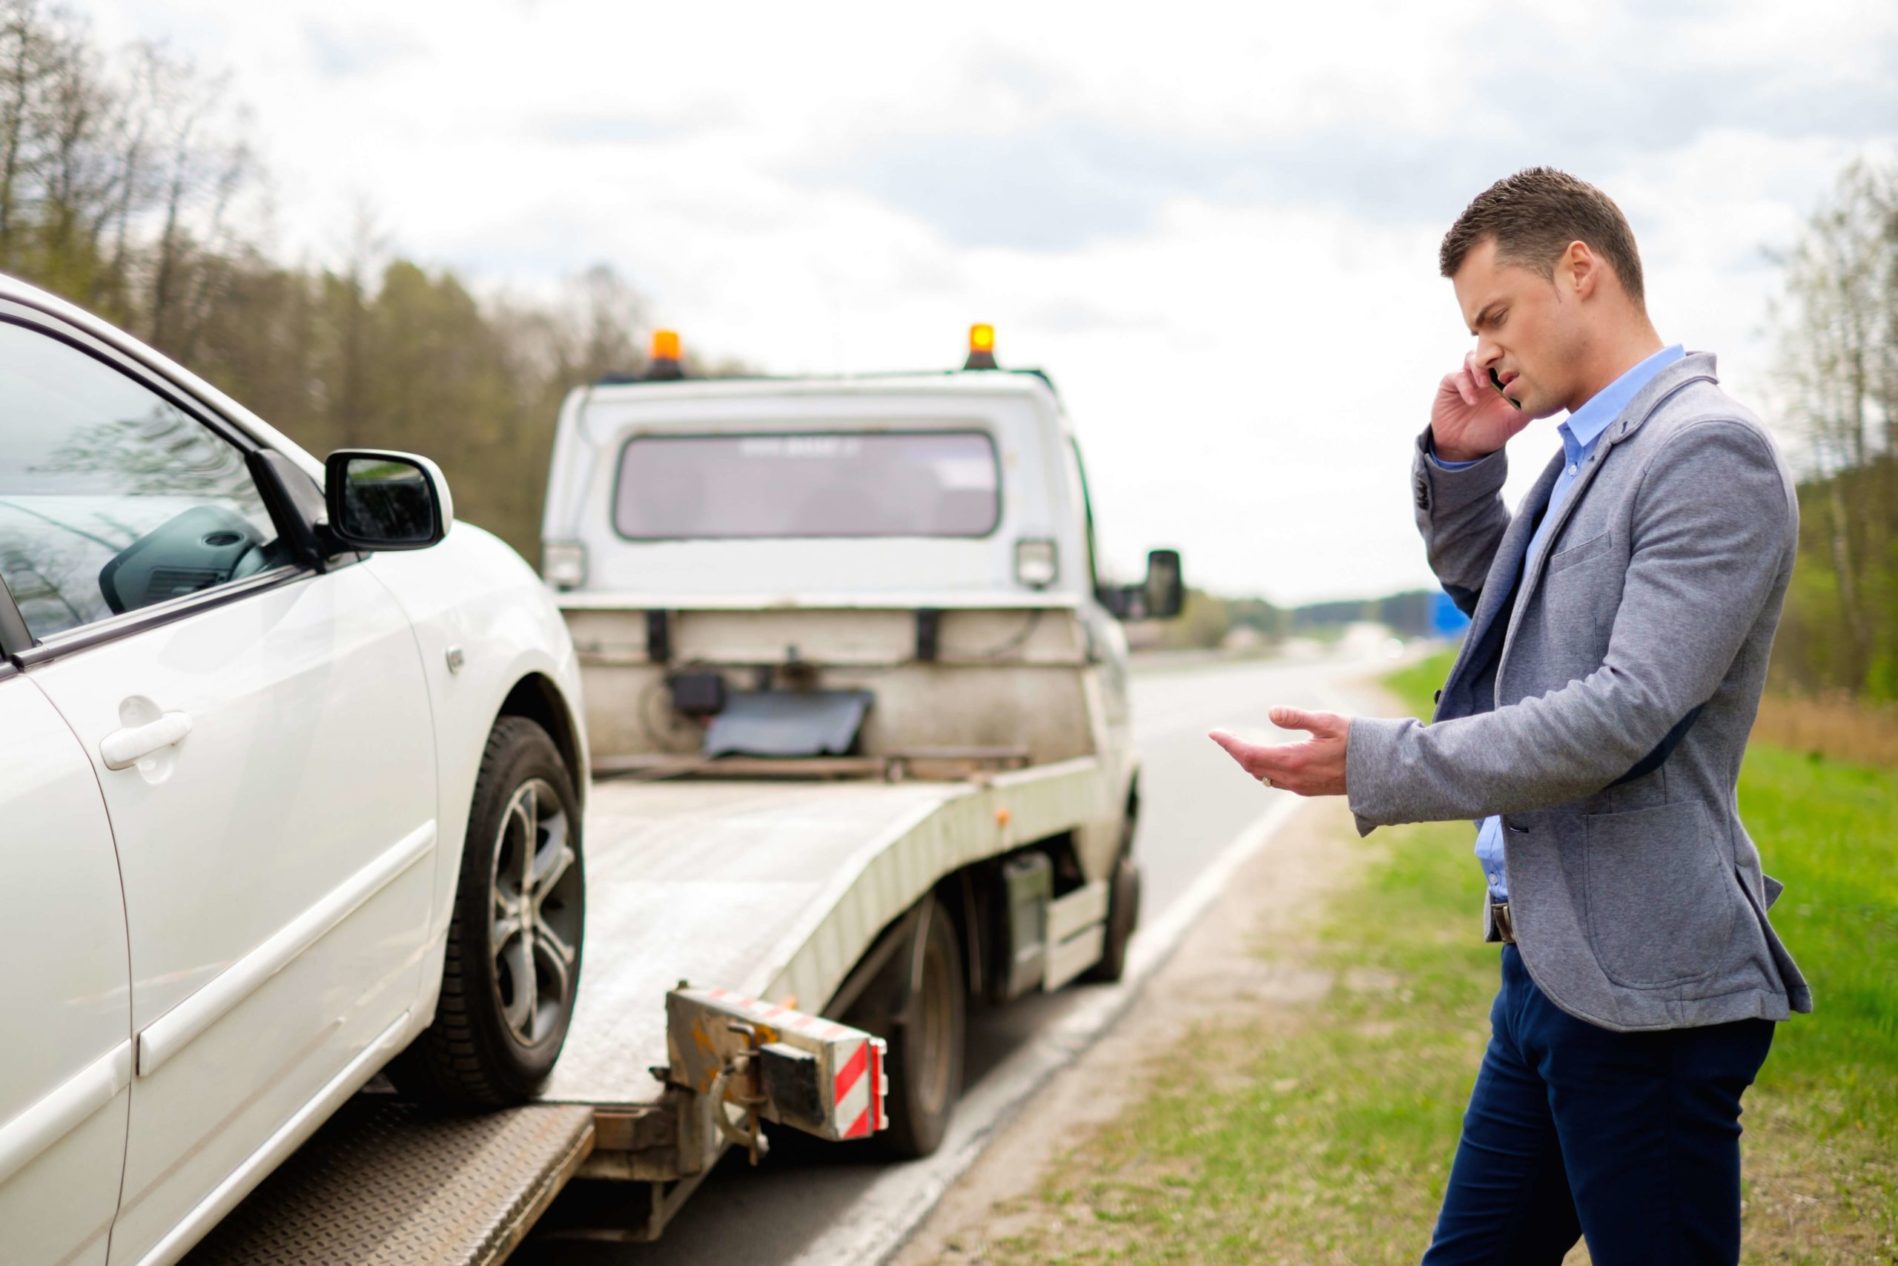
[1159, 597]
[385, 501]
[1165, 587]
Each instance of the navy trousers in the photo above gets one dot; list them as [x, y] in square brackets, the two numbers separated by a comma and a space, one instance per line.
[1629, 1139]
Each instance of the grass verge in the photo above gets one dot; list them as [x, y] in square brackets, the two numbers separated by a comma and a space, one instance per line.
[1325, 1136]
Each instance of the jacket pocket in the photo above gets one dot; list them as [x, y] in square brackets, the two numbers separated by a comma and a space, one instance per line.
[1562, 560]
[1657, 894]
[1578, 597]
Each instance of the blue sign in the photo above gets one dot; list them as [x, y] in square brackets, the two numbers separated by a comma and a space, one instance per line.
[1446, 620]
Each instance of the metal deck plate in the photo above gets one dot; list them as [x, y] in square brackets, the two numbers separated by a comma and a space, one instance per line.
[386, 1183]
[715, 883]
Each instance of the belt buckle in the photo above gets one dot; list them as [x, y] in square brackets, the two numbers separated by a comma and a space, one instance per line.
[1505, 926]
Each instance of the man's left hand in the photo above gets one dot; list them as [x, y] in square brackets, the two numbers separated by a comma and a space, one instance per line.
[1314, 767]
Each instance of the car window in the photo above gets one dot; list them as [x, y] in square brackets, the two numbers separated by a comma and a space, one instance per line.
[111, 497]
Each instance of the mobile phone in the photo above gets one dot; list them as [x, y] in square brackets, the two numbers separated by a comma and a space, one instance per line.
[1495, 380]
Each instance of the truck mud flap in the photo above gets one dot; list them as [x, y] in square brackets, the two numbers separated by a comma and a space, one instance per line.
[1076, 931]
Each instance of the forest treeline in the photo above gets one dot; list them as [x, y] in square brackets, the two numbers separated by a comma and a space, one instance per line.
[1838, 342]
[127, 185]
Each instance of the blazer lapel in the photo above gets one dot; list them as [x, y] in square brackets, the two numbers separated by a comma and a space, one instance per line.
[1507, 565]
[1694, 368]
[1500, 585]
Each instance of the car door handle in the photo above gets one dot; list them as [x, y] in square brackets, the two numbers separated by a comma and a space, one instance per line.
[125, 748]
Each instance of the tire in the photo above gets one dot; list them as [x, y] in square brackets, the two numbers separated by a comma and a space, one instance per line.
[512, 969]
[924, 1062]
[1123, 914]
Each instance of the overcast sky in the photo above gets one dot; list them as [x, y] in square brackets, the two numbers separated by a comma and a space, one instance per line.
[1216, 226]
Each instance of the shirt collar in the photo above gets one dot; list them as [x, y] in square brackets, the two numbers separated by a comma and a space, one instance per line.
[1583, 427]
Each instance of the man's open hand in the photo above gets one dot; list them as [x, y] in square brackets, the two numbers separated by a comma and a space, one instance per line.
[1314, 767]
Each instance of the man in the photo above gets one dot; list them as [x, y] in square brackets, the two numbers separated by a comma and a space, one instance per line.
[1594, 724]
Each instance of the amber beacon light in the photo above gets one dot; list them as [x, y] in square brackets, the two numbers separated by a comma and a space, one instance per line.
[665, 361]
[981, 347]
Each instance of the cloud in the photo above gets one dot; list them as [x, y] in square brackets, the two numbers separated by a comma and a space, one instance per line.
[1073, 314]
[1038, 179]
[618, 128]
[1636, 90]
[339, 52]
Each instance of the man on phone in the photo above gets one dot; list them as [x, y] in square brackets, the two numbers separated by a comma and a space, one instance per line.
[1593, 727]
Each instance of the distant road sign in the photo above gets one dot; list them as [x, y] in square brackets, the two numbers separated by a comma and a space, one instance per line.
[1445, 618]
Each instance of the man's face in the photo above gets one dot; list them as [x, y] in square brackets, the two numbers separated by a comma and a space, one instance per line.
[1527, 331]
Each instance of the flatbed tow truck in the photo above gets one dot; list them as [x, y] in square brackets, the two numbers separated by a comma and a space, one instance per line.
[857, 709]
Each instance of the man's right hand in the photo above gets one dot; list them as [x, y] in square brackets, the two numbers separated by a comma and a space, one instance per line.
[1470, 419]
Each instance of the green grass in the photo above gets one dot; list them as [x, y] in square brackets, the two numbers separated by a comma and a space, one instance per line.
[1823, 1120]
[1415, 684]
[1324, 1133]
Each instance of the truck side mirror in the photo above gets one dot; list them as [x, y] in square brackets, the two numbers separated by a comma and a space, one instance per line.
[385, 501]
[1166, 587]
[1159, 597]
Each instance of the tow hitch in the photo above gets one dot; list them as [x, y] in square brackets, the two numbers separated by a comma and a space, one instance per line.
[773, 1063]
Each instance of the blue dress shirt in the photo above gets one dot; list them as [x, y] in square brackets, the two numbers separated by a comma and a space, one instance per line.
[1581, 431]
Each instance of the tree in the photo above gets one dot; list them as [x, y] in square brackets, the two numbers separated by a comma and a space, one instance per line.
[1839, 364]
[123, 183]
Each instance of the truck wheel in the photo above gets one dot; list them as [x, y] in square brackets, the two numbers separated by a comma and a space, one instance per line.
[513, 963]
[925, 1055]
[1123, 916]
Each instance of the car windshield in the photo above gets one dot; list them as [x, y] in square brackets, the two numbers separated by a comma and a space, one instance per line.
[814, 483]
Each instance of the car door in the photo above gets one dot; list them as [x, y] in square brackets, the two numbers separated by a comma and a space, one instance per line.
[65, 991]
[262, 736]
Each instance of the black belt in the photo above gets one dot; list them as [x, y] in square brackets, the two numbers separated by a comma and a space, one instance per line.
[1505, 926]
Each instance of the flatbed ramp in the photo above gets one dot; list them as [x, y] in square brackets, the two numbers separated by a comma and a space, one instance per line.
[717, 884]
[388, 1183]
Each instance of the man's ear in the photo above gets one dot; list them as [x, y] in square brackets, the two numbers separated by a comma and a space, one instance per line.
[1580, 269]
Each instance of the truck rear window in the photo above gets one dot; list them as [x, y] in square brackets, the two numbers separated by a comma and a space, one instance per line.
[832, 483]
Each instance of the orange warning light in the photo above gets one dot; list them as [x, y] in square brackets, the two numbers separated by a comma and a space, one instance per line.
[981, 347]
[665, 345]
[1002, 815]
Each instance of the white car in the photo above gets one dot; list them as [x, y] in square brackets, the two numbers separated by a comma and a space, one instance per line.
[290, 788]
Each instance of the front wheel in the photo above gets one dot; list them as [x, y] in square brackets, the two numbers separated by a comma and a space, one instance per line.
[512, 969]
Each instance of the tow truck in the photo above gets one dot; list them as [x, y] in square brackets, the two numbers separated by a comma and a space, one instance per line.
[856, 696]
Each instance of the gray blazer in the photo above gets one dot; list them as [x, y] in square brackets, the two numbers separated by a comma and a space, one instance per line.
[1603, 712]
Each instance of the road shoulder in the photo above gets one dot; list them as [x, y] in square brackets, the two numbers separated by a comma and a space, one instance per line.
[1269, 899]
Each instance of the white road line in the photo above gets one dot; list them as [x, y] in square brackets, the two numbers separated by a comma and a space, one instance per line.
[1155, 942]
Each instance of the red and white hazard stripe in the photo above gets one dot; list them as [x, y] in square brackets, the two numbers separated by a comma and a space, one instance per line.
[858, 1092]
[849, 1062]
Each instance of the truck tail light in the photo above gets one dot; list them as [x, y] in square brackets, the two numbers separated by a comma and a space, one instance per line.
[1036, 563]
[563, 564]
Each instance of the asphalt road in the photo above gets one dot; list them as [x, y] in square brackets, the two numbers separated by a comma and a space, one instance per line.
[823, 1202]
